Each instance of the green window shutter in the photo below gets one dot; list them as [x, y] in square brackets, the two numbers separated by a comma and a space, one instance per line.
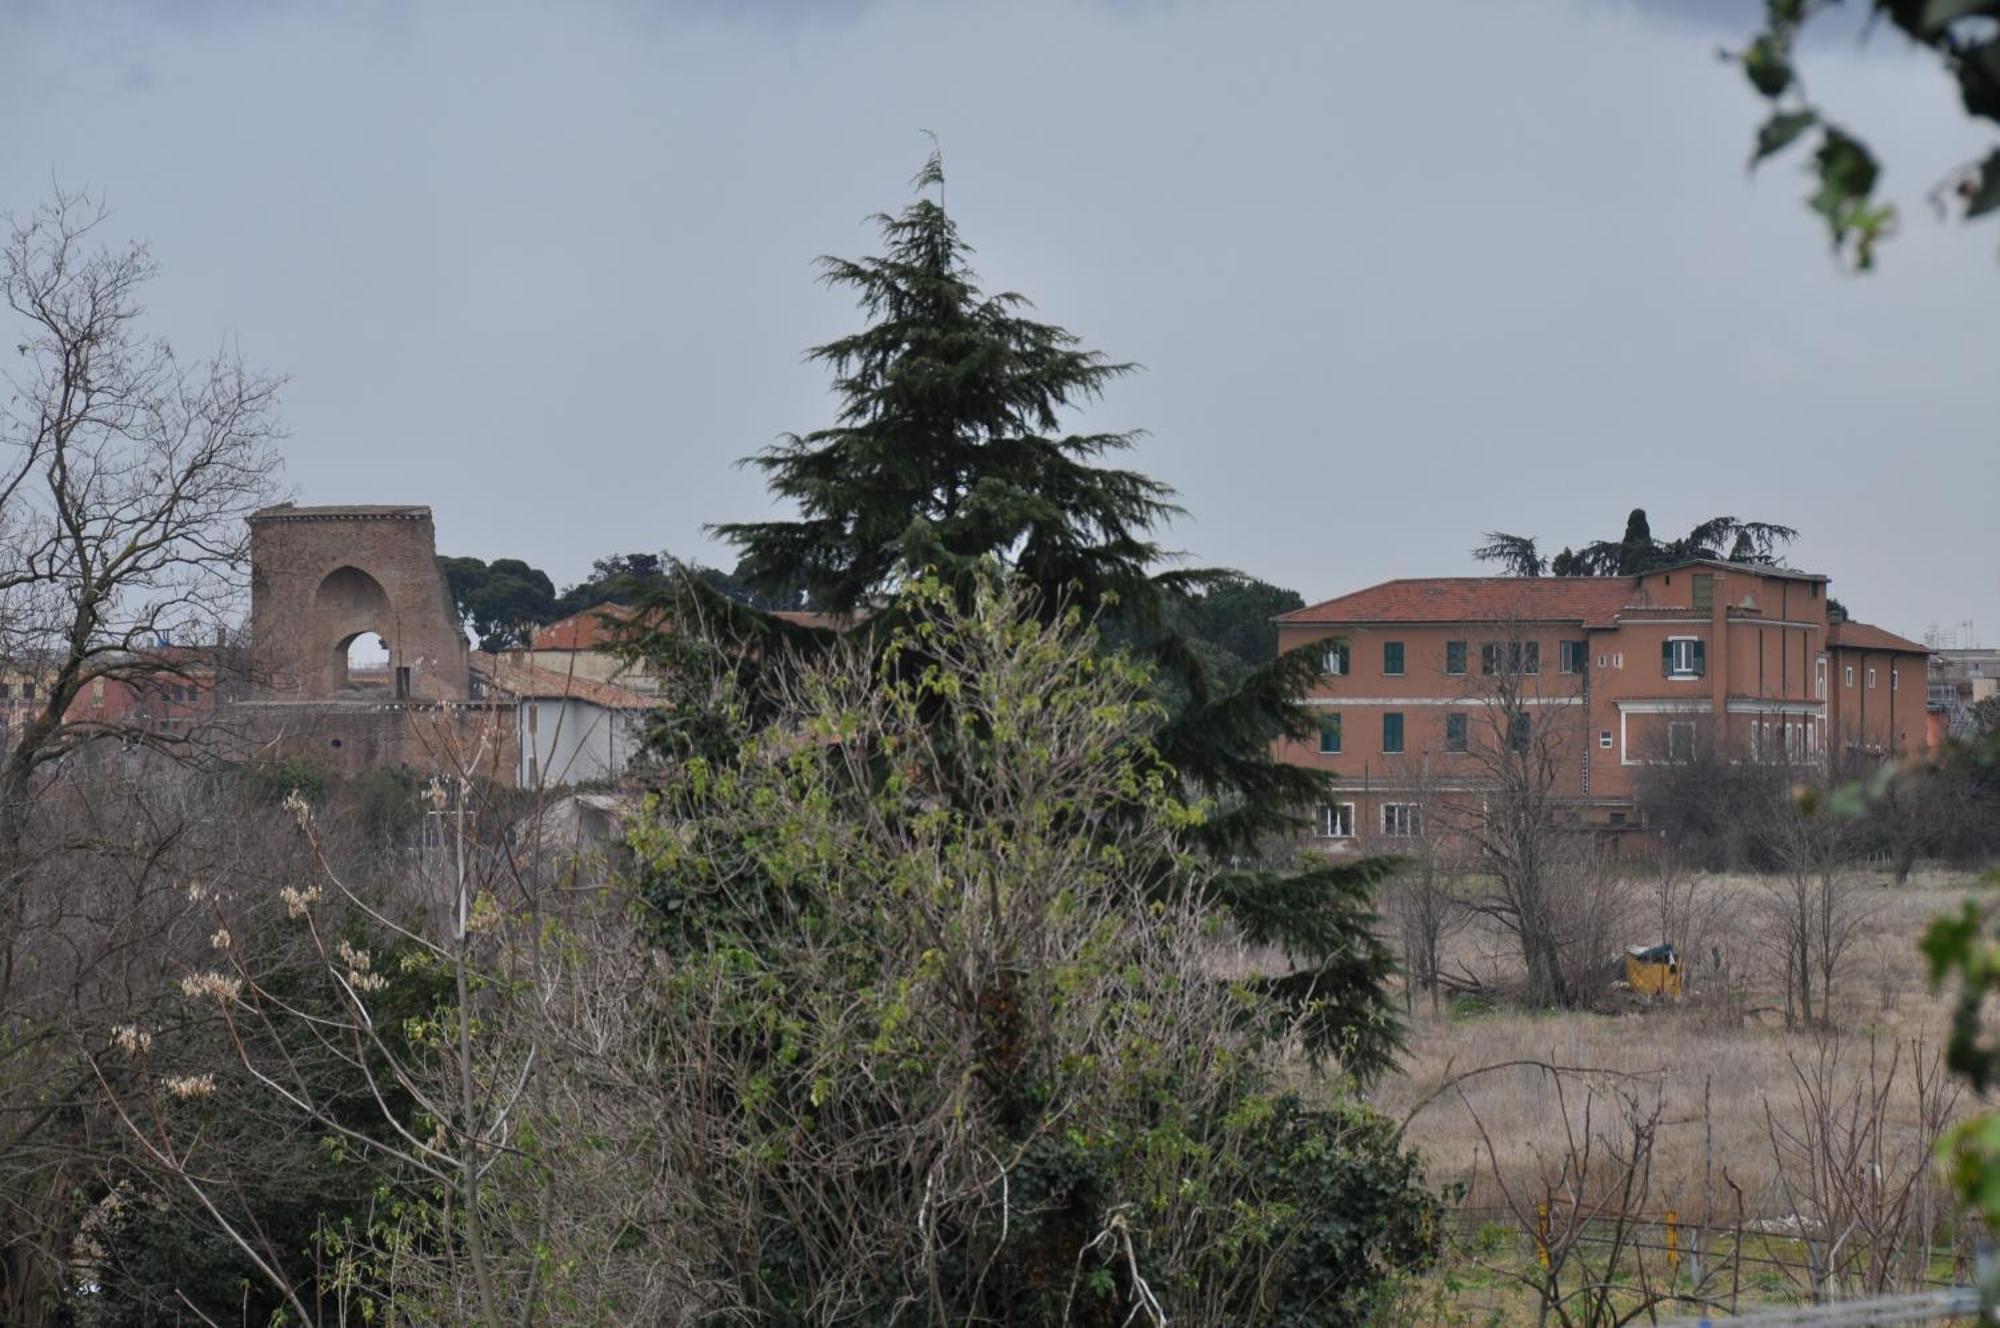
[1454, 657]
[1666, 659]
[1392, 732]
[1329, 735]
[1454, 733]
[1392, 657]
[1701, 659]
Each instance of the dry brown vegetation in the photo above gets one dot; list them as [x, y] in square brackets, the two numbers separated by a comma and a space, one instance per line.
[1715, 1059]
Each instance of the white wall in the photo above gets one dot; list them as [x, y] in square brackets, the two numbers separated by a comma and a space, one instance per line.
[571, 741]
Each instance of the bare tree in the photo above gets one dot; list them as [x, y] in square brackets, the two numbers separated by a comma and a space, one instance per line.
[1814, 910]
[1425, 897]
[125, 477]
[1589, 1212]
[1524, 742]
[1854, 1161]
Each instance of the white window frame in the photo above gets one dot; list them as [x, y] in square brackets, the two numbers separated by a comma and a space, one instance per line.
[1871, 678]
[1409, 814]
[1850, 675]
[1676, 670]
[1604, 739]
[1329, 662]
[1895, 679]
[1330, 817]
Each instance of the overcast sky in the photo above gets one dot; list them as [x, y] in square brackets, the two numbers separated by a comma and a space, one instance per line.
[1398, 273]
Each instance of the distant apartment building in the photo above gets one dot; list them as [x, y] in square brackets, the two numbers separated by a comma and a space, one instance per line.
[1424, 679]
[23, 692]
[1960, 678]
[170, 692]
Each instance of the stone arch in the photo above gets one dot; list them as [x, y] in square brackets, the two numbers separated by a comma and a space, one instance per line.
[323, 576]
[349, 604]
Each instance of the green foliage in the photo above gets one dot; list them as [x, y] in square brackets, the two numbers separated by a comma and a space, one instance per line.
[937, 955]
[1354, 1212]
[502, 601]
[1230, 620]
[946, 455]
[1720, 538]
[1959, 32]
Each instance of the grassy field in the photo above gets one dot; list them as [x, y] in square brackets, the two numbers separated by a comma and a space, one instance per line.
[1720, 1069]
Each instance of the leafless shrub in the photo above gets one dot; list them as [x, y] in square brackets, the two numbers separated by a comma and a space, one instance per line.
[1856, 1172]
[1815, 911]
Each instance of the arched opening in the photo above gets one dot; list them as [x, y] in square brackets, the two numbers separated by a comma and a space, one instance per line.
[349, 590]
[353, 609]
[361, 662]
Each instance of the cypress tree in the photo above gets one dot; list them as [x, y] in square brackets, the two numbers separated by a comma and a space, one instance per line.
[946, 456]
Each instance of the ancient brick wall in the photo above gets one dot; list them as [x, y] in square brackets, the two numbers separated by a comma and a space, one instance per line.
[322, 576]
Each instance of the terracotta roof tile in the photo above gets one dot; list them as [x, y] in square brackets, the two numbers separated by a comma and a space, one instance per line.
[593, 629]
[1866, 636]
[518, 678]
[1594, 600]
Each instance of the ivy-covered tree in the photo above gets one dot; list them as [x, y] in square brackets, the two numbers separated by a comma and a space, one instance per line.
[1961, 34]
[947, 454]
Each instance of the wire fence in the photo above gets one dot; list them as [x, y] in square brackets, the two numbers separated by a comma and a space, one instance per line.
[1731, 1272]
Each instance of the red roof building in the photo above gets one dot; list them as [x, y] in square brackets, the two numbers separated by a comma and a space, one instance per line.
[1606, 675]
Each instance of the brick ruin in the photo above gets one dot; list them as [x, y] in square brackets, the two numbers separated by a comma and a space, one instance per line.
[320, 578]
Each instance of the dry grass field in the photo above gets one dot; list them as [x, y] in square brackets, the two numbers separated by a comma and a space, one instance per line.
[1719, 1066]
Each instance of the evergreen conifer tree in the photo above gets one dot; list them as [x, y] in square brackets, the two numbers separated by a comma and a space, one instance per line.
[946, 456]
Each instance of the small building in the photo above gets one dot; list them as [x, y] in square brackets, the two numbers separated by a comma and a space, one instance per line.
[584, 645]
[569, 729]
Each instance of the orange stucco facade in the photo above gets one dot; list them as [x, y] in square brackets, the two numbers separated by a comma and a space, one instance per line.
[1612, 673]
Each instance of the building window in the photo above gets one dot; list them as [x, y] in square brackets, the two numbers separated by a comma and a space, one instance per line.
[1704, 591]
[1402, 819]
[534, 719]
[1849, 679]
[5, 690]
[1604, 738]
[1573, 656]
[1392, 732]
[1454, 732]
[1392, 658]
[1871, 680]
[1895, 679]
[27, 691]
[1617, 819]
[1334, 821]
[1454, 657]
[1683, 657]
[1680, 743]
[1520, 733]
[1819, 682]
[1329, 735]
[1334, 662]
[1518, 656]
